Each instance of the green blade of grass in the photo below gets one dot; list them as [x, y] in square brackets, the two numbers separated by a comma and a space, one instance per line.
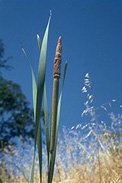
[31, 179]
[34, 85]
[46, 120]
[60, 99]
[39, 42]
[40, 89]
[41, 74]
[39, 144]
[64, 74]
[34, 94]
[52, 155]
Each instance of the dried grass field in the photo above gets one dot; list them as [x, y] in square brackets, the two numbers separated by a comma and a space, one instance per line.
[89, 153]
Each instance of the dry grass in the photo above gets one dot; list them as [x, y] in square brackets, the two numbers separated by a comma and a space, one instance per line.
[104, 167]
[90, 153]
[108, 171]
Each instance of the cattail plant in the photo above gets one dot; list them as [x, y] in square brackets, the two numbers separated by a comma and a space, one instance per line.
[40, 94]
[57, 62]
[55, 110]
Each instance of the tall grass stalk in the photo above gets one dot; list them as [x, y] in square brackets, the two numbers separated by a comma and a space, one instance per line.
[57, 62]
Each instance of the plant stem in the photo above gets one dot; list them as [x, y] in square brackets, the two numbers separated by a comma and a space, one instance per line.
[57, 62]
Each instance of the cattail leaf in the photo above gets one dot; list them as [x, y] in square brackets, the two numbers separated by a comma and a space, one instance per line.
[64, 73]
[34, 93]
[46, 120]
[60, 99]
[39, 42]
[39, 144]
[40, 89]
[37, 101]
[34, 89]
[41, 74]
[34, 85]
[31, 180]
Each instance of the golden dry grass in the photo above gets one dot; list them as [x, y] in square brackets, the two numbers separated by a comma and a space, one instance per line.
[104, 169]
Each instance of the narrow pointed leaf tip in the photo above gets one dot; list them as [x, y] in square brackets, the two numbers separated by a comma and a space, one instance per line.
[23, 50]
[37, 36]
[64, 74]
[38, 41]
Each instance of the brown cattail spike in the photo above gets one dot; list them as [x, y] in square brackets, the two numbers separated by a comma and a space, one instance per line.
[57, 59]
[57, 63]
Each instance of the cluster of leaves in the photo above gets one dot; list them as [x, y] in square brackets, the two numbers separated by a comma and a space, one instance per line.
[16, 119]
[3, 62]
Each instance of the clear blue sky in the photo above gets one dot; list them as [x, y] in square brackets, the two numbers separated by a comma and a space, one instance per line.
[91, 32]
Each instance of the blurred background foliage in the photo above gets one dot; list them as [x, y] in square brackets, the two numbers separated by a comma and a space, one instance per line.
[16, 116]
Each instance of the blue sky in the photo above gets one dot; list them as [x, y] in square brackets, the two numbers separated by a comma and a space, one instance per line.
[91, 33]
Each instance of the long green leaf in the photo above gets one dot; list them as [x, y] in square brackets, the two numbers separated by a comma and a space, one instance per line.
[34, 93]
[41, 75]
[34, 89]
[46, 120]
[40, 89]
[31, 178]
[39, 144]
[34, 85]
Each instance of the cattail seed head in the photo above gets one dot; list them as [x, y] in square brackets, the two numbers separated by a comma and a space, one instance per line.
[57, 59]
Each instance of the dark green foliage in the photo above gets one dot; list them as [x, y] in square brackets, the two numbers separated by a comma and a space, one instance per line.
[16, 117]
[3, 62]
